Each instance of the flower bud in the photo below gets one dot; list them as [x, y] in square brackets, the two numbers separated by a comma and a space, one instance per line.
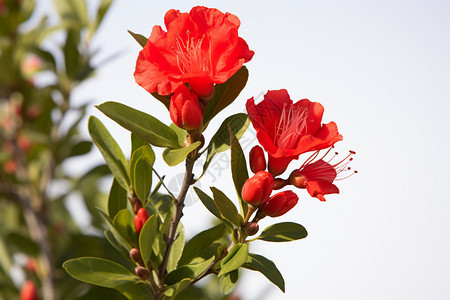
[31, 265]
[297, 179]
[140, 218]
[279, 204]
[142, 273]
[257, 159]
[135, 256]
[28, 291]
[185, 111]
[251, 228]
[257, 189]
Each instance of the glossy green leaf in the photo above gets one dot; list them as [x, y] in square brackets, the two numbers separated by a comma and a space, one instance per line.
[234, 259]
[238, 170]
[71, 53]
[211, 205]
[141, 163]
[117, 199]
[117, 242]
[181, 134]
[111, 152]
[259, 263]
[136, 142]
[147, 237]
[174, 157]
[177, 249]
[226, 207]
[142, 40]
[221, 140]
[283, 232]
[143, 125]
[202, 241]
[124, 224]
[228, 282]
[81, 148]
[225, 94]
[99, 272]
[163, 99]
[190, 271]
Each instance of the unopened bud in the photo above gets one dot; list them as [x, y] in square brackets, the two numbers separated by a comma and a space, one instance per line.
[251, 228]
[142, 273]
[257, 159]
[31, 265]
[279, 204]
[257, 189]
[135, 204]
[297, 179]
[140, 218]
[135, 256]
[185, 111]
[28, 291]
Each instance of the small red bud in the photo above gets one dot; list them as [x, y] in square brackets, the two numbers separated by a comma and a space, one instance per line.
[28, 291]
[257, 189]
[31, 265]
[185, 111]
[257, 159]
[142, 273]
[251, 228]
[279, 204]
[135, 256]
[140, 218]
[297, 179]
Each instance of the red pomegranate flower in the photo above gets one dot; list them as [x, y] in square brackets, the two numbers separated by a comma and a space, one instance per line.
[318, 177]
[286, 129]
[200, 48]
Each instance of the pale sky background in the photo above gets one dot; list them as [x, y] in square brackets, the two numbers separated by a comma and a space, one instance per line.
[382, 71]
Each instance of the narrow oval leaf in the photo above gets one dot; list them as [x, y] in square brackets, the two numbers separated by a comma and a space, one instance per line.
[190, 271]
[225, 94]
[120, 246]
[177, 249]
[221, 140]
[283, 232]
[259, 263]
[141, 163]
[110, 150]
[201, 241]
[147, 237]
[228, 281]
[226, 207]
[142, 40]
[143, 125]
[238, 170]
[181, 134]
[117, 199]
[173, 157]
[99, 272]
[234, 259]
[124, 224]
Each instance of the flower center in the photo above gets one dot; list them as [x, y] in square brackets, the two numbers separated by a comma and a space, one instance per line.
[190, 57]
[291, 127]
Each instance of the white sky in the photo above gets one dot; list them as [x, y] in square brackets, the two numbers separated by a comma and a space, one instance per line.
[382, 71]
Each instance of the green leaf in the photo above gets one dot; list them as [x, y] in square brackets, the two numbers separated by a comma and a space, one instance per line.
[226, 207]
[163, 99]
[119, 245]
[110, 150]
[211, 205]
[177, 249]
[181, 134]
[136, 142]
[234, 259]
[224, 95]
[221, 140]
[124, 224]
[71, 53]
[283, 232]
[18, 243]
[143, 125]
[228, 282]
[117, 199]
[201, 241]
[141, 163]
[99, 272]
[142, 40]
[190, 271]
[81, 148]
[175, 156]
[259, 263]
[238, 170]
[147, 237]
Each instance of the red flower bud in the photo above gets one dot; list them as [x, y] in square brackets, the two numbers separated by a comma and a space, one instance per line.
[185, 111]
[257, 189]
[257, 159]
[135, 256]
[279, 204]
[29, 291]
[251, 228]
[142, 273]
[140, 218]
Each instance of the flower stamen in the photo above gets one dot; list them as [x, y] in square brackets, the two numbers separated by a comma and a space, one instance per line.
[189, 54]
[291, 126]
